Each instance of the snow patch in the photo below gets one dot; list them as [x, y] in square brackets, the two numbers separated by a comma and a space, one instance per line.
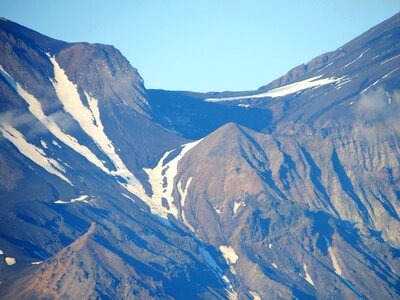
[342, 82]
[255, 295]
[55, 144]
[162, 178]
[89, 120]
[237, 205]
[209, 260]
[43, 143]
[183, 193]
[244, 105]
[325, 67]
[350, 63]
[126, 196]
[284, 90]
[83, 198]
[335, 263]
[7, 77]
[307, 276]
[229, 254]
[35, 108]
[338, 270]
[10, 261]
[32, 152]
[376, 82]
[274, 265]
[386, 61]
[232, 295]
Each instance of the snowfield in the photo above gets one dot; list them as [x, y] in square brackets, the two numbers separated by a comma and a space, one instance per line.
[284, 90]
[10, 261]
[229, 254]
[32, 152]
[162, 181]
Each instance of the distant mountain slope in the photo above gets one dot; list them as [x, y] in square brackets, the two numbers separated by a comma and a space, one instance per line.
[75, 217]
[292, 207]
[108, 190]
[188, 116]
[323, 93]
[282, 202]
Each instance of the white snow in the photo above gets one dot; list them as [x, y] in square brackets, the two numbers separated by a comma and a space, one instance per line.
[386, 61]
[183, 193]
[255, 295]
[237, 205]
[307, 276]
[269, 245]
[335, 263]
[229, 254]
[284, 90]
[162, 179]
[367, 88]
[325, 67]
[89, 120]
[217, 210]
[35, 108]
[342, 82]
[209, 260]
[338, 270]
[383, 77]
[32, 152]
[244, 105]
[232, 295]
[55, 144]
[83, 198]
[274, 265]
[350, 63]
[7, 77]
[43, 143]
[126, 196]
[10, 261]
[36, 262]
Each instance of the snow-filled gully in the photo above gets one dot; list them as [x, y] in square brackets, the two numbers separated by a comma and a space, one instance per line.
[162, 181]
[89, 120]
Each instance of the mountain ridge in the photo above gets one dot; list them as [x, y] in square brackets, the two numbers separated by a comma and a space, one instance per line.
[109, 190]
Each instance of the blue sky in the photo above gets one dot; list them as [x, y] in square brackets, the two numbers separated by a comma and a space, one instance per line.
[207, 45]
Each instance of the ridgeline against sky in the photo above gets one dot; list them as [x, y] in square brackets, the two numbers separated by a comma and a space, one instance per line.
[206, 45]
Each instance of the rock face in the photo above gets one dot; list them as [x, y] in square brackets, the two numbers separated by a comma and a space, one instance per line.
[291, 191]
[291, 207]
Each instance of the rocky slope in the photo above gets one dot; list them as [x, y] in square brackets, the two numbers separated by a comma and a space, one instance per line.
[103, 196]
[291, 207]
[76, 135]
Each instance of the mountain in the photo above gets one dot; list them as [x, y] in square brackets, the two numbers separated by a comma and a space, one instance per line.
[76, 135]
[326, 93]
[109, 190]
